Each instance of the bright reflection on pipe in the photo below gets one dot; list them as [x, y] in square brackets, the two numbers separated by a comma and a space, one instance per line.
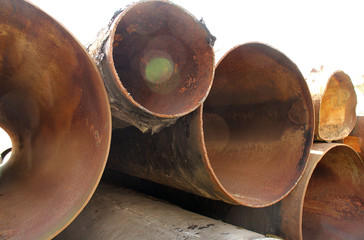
[316, 152]
[159, 71]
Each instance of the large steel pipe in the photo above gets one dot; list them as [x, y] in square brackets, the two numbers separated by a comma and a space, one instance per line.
[334, 100]
[55, 109]
[327, 203]
[157, 63]
[118, 213]
[235, 149]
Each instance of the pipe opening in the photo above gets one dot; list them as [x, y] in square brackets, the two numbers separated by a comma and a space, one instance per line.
[162, 58]
[337, 111]
[52, 103]
[334, 202]
[258, 124]
[5, 148]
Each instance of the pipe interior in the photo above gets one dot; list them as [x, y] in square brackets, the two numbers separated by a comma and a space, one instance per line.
[334, 202]
[54, 109]
[337, 110]
[258, 123]
[162, 57]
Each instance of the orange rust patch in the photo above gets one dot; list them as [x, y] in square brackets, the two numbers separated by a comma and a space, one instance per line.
[117, 39]
[131, 29]
[353, 142]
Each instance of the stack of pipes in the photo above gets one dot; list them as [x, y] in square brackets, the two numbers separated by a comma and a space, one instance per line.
[237, 136]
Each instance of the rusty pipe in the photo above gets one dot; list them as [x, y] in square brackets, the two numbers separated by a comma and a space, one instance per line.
[327, 203]
[54, 107]
[157, 63]
[355, 138]
[234, 148]
[334, 100]
[119, 213]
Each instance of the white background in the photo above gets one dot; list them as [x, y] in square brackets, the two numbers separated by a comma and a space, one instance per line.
[311, 33]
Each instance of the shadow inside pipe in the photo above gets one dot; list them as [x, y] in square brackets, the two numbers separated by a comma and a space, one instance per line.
[334, 201]
[258, 123]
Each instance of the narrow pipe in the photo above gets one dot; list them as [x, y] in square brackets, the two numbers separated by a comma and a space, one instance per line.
[235, 148]
[54, 107]
[327, 203]
[334, 100]
[119, 213]
[157, 63]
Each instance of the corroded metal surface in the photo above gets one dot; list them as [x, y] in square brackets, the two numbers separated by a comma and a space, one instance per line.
[334, 101]
[259, 104]
[327, 203]
[118, 213]
[157, 63]
[236, 148]
[356, 137]
[54, 107]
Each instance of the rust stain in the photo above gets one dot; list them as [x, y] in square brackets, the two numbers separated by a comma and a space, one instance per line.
[353, 142]
[131, 29]
[117, 39]
[96, 135]
[182, 90]
[190, 80]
